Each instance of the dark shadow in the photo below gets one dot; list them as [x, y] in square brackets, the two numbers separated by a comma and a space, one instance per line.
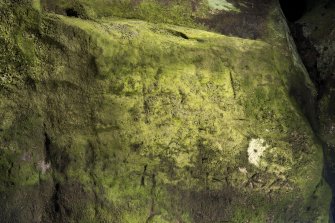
[329, 175]
[178, 34]
[293, 9]
[71, 12]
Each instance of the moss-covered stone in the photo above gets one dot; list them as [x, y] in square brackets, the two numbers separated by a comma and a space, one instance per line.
[247, 19]
[128, 120]
[315, 32]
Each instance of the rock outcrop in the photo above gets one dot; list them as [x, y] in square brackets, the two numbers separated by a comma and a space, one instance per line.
[315, 35]
[155, 111]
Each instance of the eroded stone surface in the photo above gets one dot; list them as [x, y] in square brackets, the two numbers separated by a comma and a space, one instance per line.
[139, 121]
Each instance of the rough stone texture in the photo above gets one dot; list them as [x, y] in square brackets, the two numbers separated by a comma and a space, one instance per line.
[107, 119]
[315, 35]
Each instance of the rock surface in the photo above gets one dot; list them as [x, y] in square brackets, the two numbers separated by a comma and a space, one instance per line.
[155, 111]
[315, 35]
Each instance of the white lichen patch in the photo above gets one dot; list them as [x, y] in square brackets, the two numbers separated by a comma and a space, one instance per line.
[256, 150]
[43, 166]
[221, 5]
[243, 170]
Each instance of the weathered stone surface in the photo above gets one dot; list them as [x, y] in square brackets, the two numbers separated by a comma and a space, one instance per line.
[107, 119]
[315, 35]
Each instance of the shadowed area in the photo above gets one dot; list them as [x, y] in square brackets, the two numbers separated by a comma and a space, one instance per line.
[293, 10]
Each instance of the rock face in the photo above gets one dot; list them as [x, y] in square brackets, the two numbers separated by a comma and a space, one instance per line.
[155, 111]
[315, 33]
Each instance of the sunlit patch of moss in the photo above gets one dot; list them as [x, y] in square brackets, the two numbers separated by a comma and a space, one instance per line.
[222, 5]
[36, 4]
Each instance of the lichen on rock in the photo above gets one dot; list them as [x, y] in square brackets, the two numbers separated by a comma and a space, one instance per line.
[134, 120]
[256, 150]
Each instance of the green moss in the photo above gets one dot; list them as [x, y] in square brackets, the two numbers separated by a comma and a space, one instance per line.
[205, 89]
[37, 4]
[221, 5]
[185, 13]
[153, 121]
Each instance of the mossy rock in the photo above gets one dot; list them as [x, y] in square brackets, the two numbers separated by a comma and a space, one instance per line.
[126, 120]
[247, 19]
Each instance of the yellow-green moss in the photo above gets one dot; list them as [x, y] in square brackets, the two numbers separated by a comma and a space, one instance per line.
[151, 121]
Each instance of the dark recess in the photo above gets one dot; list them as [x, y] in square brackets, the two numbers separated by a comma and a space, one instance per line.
[55, 199]
[178, 34]
[47, 143]
[71, 12]
[293, 9]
